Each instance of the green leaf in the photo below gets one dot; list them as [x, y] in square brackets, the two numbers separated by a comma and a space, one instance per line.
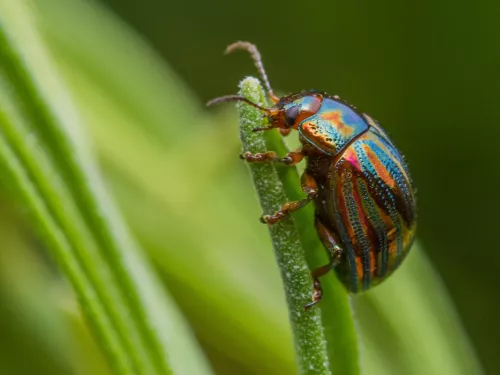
[27, 299]
[337, 315]
[46, 160]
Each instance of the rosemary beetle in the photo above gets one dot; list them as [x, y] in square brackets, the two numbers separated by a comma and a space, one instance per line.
[365, 212]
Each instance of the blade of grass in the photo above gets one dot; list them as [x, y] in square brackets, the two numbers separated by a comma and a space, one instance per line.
[337, 325]
[48, 163]
[307, 328]
[31, 324]
[336, 313]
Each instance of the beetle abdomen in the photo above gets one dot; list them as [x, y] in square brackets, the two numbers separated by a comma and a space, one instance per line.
[372, 208]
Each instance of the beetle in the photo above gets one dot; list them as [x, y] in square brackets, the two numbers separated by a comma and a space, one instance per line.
[365, 211]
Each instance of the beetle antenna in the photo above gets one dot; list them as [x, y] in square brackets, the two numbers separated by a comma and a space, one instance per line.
[236, 98]
[254, 52]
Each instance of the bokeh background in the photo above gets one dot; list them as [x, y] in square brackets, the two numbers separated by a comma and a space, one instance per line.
[140, 71]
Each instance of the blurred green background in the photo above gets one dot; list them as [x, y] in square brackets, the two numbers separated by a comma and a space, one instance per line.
[428, 71]
[140, 71]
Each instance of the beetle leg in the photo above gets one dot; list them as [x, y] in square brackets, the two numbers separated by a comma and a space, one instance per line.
[291, 158]
[330, 241]
[309, 187]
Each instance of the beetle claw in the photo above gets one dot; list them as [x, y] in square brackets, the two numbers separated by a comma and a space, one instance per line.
[317, 294]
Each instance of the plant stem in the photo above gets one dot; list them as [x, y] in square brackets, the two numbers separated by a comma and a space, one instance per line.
[308, 332]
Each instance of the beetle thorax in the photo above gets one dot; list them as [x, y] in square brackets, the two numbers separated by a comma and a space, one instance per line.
[332, 127]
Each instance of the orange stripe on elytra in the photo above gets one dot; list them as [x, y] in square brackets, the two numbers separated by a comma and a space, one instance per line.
[395, 160]
[359, 267]
[381, 169]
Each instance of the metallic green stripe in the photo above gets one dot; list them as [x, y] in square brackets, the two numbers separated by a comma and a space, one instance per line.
[359, 232]
[384, 192]
[351, 255]
[378, 224]
[399, 177]
[396, 167]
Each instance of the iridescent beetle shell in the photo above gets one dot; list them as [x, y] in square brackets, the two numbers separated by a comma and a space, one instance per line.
[358, 180]
[365, 192]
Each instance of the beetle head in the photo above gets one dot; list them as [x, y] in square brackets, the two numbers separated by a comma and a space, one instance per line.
[291, 110]
[287, 112]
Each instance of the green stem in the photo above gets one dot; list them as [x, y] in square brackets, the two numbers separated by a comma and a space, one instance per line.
[308, 332]
[336, 313]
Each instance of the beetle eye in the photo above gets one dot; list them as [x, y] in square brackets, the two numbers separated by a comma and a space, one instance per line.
[291, 115]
